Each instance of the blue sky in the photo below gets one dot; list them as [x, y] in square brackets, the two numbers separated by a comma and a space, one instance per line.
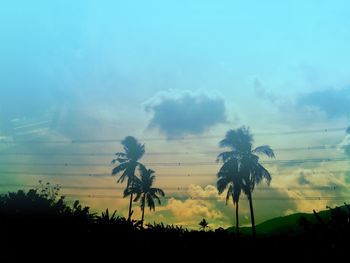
[107, 69]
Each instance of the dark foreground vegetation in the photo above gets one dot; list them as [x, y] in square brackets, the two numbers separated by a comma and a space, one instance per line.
[38, 225]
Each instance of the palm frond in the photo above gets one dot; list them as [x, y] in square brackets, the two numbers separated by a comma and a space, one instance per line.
[158, 191]
[265, 174]
[127, 191]
[221, 184]
[138, 196]
[157, 198]
[143, 169]
[236, 193]
[119, 168]
[229, 193]
[122, 177]
[120, 155]
[119, 160]
[226, 156]
[150, 202]
[264, 149]
[130, 174]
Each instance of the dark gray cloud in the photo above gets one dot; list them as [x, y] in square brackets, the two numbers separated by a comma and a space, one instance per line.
[333, 102]
[181, 113]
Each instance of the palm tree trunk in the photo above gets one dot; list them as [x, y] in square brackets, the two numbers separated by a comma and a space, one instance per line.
[252, 213]
[237, 222]
[143, 209]
[130, 207]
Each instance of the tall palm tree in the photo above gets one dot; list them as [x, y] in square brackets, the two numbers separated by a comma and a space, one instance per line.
[128, 161]
[230, 178]
[144, 191]
[251, 171]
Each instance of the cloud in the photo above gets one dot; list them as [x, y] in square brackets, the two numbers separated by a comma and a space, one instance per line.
[209, 191]
[200, 202]
[312, 188]
[190, 209]
[179, 113]
[333, 102]
[320, 107]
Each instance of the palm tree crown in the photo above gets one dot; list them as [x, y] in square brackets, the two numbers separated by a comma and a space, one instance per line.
[128, 161]
[144, 191]
[230, 178]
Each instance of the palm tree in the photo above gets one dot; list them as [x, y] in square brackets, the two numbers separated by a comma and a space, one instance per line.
[231, 179]
[203, 224]
[128, 161]
[251, 171]
[144, 191]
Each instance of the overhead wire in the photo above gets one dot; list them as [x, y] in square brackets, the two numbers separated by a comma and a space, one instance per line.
[84, 141]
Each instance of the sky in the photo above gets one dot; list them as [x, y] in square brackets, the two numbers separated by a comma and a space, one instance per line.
[78, 76]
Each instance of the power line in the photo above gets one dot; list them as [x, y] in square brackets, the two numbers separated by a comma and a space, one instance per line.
[85, 141]
[309, 198]
[54, 174]
[174, 164]
[310, 148]
[179, 188]
[158, 176]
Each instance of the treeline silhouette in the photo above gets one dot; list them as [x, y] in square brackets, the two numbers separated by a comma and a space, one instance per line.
[40, 225]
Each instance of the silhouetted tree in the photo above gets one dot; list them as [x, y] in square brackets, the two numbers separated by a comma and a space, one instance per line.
[128, 161]
[37, 206]
[106, 218]
[144, 191]
[47, 190]
[252, 172]
[203, 224]
[230, 178]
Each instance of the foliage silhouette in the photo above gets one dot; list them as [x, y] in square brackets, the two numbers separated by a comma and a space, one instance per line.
[244, 163]
[47, 190]
[127, 162]
[35, 207]
[203, 224]
[145, 193]
[105, 218]
[335, 227]
[34, 224]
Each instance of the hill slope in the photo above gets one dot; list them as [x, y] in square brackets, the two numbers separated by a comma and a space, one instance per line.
[284, 225]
